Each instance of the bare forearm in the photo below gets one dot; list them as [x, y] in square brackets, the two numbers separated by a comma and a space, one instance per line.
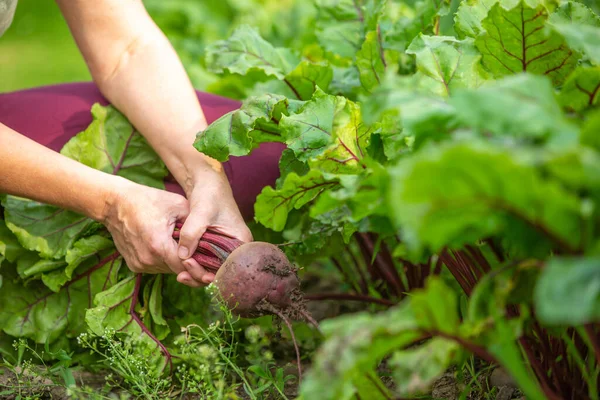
[136, 68]
[153, 90]
[33, 171]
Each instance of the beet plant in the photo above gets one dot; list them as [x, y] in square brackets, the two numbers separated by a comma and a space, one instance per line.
[441, 157]
[444, 157]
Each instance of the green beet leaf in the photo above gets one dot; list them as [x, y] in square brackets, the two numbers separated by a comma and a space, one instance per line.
[246, 50]
[114, 310]
[112, 145]
[84, 253]
[445, 63]
[522, 106]
[46, 229]
[568, 292]
[340, 26]
[10, 248]
[349, 139]
[239, 132]
[353, 347]
[470, 14]
[515, 40]
[289, 163]
[590, 135]
[580, 27]
[486, 323]
[457, 193]
[578, 169]
[581, 90]
[370, 61]
[420, 19]
[307, 77]
[42, 315]
[273, 206]
[417, 368]
[308, 132]
[574, 12]
[362, 195]
[408, 114]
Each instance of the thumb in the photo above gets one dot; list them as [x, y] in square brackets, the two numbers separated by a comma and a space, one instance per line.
[189, 235]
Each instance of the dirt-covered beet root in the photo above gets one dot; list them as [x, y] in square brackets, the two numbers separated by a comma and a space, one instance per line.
[256, 277]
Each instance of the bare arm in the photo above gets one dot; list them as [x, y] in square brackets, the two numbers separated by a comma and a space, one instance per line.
[33, 171]
[138, 71]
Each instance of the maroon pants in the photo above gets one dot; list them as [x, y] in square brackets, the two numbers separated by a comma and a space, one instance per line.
[54, 114]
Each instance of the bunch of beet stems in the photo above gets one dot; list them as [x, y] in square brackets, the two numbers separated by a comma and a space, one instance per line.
[213, 249]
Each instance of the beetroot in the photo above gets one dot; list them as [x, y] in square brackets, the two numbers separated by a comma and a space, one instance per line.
[256, 275]
[253, 279]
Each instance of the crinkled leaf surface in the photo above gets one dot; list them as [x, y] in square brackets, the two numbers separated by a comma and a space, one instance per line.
[308, 132]
[456, 193]
[522, 106]
[85, 252]
[349, 141]
[306, 77]
[46, 229]
[246, 50]
[273, 206]
[580, 27]
[515, 40]
[422, 114]
[370, 61]
[239, 132]
[470, 13]
[445, 63]
[581, 90]
[40, 314]
[574, 12]
[568, 292]
[418, 19]
[340, 26]
[112, 145]
[290, 163]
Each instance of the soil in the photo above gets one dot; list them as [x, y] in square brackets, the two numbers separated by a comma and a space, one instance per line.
[447, 387]
[36, 387]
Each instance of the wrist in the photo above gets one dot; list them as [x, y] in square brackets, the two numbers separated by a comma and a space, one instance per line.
[192, 167]
[117, 187]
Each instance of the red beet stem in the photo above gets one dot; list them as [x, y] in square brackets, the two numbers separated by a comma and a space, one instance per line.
[225, 242]
[210, 263]
[213, 248]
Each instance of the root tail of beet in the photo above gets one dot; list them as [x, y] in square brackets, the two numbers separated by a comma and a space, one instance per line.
[306, 315]
[288, 323]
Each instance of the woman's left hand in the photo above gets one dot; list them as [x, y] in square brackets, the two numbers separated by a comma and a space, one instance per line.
[211, 205]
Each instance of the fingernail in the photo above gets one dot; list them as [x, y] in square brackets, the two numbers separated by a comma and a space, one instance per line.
[183, 252]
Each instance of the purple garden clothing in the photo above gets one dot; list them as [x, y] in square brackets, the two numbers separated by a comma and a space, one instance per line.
[52, 115]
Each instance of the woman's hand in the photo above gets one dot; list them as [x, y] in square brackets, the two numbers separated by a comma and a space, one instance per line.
[212, 206]
[141, 221]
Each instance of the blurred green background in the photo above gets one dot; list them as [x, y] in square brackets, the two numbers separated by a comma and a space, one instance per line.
[38, 49]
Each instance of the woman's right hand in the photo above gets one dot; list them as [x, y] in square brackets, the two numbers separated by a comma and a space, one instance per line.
[141, 221]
